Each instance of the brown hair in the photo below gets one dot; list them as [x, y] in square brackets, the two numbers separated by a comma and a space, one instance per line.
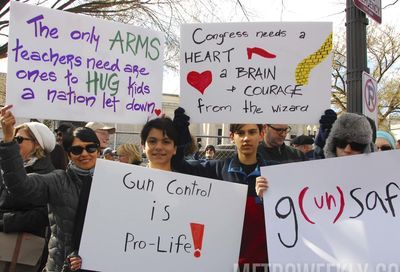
[235, 127]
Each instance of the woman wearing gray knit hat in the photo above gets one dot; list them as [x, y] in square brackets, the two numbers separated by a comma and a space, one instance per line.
[351, 134]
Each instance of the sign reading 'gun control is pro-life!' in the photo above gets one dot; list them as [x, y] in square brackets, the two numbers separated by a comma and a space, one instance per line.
[74, 67]
[141, 219]
[256, 72]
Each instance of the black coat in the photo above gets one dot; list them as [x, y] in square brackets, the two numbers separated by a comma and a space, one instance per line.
[20, 215]
[282, 154]
[59, 189]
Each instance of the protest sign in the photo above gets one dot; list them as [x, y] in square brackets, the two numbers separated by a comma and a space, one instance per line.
[256, 72]
[339, 214]
[73, 67]
[152, 220]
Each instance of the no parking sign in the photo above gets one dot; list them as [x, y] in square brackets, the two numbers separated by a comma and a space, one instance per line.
[370, 96]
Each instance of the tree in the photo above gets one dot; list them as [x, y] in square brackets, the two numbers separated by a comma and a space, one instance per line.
[383, 47]
[165, 16]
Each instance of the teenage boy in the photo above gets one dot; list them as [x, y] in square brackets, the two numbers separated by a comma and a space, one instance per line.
[244, 168]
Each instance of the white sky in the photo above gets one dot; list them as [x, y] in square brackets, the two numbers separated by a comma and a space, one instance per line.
[293, 10]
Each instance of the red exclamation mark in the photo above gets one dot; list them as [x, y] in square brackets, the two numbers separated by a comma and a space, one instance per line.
[197, 234]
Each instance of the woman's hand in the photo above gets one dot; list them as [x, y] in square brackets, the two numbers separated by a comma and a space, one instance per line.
[7, 121]
[261, 185]
[75, 263]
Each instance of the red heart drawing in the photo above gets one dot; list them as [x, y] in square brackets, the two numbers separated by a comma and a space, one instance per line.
[199, 81]
[157, 111]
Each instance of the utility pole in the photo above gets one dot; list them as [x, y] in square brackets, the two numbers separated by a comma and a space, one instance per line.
[356, 44]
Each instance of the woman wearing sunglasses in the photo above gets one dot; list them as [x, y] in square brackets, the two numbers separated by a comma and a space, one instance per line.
[65, 192]
[35, 142]
[351, 134]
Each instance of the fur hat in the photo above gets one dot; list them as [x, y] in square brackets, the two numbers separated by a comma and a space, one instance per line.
[353, 128]
[388, 137]
[43, 135]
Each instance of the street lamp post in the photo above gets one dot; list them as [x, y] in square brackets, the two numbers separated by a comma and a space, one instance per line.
[356, 43]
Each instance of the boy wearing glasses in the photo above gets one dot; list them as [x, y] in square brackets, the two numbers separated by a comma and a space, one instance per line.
[274, 148]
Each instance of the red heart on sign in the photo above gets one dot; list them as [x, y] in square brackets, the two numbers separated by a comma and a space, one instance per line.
[157, 111]
[199, 81]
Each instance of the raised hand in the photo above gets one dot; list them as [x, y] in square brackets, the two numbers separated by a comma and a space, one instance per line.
[7, 121]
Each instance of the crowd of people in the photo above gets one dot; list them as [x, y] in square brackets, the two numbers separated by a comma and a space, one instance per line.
[46, 178]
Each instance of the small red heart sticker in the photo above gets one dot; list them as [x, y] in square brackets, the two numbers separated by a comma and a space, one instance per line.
[157, 111]
[200, 81]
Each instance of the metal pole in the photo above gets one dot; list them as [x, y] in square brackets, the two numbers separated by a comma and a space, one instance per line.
[356, 43]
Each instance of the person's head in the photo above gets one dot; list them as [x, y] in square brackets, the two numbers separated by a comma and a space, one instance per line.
[303, 143]
[159, 138]
[398, 144]
[209, 152]
[61, 130]
[246, 138]
[82, 146]
[108, 154]
[129, 153]
[102, 131]
[275, 135]
[350, 134]
[35, 140]
[384, 141]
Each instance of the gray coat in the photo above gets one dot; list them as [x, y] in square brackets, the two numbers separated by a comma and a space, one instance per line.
[60, 189]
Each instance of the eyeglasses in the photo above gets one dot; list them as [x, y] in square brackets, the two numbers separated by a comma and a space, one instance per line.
[281, 130]
[384, 147]
[77, 149]
[20, 139]
[342, 143]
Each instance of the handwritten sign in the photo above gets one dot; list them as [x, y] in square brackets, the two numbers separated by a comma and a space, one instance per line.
[67, 66]
[256, 72]
[161, 221]
[340, 213]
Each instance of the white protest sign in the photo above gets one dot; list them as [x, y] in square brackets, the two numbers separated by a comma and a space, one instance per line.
[153, 220]
[339, 214]
[256, 72]
[73, 67]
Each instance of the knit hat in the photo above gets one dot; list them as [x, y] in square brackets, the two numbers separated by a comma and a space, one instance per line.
[388, 137]
[351, 127]
[302, 140]
[63, 127]
[43, 136]
[100, 126]
[107, 150]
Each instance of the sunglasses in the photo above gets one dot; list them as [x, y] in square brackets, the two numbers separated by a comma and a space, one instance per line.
[341, 143]
[77, 149]
[20, 139]
[384, 147]
[281, 130]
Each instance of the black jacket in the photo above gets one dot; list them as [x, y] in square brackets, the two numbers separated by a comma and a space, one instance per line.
[20, 215]
[59, 189]
[282, 154]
